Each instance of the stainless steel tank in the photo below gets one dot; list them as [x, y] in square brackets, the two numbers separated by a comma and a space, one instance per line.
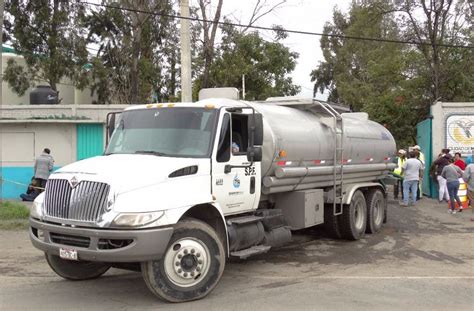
[299, 144]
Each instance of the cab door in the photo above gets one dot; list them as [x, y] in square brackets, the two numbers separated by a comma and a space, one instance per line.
[236, 189]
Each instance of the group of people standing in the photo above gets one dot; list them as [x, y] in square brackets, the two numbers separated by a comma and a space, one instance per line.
[410, 172]
[446, 170]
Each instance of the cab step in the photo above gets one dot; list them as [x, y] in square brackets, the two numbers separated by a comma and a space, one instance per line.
[244, 220]
[251, 251]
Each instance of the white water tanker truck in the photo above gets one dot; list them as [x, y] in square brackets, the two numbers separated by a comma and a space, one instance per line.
[183, 186]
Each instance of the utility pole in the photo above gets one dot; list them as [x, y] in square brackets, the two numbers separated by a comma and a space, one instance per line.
[186, 88]
[243, 87]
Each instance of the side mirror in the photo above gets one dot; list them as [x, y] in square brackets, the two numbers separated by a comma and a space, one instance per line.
[254, 154]
[110, 126]
[258, 131]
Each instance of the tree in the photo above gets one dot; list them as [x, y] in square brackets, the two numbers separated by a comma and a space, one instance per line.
[266, 65]
[134, 49]
[368, 75]
[210, 27]
[44, 32]
[392, 82]
[209, 37]
[441, 22]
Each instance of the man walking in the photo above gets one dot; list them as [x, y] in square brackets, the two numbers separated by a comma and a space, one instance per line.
[412, 170]
[43, 167]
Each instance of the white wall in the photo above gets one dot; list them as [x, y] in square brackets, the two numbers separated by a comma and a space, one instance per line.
[441, 112]
[69, 94]
[22, 142]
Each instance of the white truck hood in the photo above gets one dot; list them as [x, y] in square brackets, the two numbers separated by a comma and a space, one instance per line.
[127, 172]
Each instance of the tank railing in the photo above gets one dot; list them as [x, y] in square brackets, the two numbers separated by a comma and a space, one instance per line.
[338, 149]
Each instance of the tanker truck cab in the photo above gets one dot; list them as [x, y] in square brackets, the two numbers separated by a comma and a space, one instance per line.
[219, 142]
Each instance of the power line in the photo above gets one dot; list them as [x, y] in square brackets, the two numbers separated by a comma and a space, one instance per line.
[197, 19]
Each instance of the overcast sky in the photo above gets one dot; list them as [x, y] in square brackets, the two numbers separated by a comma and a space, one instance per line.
[305, 15]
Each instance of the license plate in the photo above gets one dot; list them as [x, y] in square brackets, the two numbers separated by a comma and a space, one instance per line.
[67, 253]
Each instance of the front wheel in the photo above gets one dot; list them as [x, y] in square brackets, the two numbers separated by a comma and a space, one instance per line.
[191, 266]
[76, 270]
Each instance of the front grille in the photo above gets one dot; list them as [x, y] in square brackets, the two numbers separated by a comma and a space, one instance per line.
[86, 202]
[70, 240]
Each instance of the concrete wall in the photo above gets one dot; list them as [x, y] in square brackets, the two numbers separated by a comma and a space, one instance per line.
[453, 127]
[84, 113]
[67, 92]
[21, 143]
[26, 130]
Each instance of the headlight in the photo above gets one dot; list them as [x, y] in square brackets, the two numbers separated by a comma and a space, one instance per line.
[136, 219]
[36, 209]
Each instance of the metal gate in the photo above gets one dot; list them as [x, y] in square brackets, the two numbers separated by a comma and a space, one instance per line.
[423, 139]
[90, 140]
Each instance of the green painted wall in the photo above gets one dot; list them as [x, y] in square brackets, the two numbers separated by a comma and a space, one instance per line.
[90, 140]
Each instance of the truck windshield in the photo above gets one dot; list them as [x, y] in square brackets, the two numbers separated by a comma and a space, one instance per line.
[175, 132]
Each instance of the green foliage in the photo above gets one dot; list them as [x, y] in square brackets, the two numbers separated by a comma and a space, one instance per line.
[392, 82]
[16, 77]
[266, 65]
[137, 52]
[45, 35]
[12, 210]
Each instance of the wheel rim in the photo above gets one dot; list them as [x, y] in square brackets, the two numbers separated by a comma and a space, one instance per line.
[359, 216]
[186, 262]
[378, 212]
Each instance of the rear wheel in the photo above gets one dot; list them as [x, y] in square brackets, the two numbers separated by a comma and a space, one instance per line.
[76, 270]
[375, 210]
[191, 266]
[354, 218]
[331, 222]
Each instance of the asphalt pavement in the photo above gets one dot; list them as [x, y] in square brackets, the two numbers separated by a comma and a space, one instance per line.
[423, 259]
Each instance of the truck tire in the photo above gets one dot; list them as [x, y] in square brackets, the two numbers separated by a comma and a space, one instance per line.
[331, 222]
[191, 266]
[76, 270]
[375, 210]
[354, 218]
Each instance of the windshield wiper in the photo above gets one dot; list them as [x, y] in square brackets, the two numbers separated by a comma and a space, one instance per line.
[157, 153]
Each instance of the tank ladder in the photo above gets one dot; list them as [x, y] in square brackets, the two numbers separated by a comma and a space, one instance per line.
[338, 126]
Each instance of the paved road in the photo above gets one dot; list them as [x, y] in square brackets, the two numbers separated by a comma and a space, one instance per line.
[422, 260]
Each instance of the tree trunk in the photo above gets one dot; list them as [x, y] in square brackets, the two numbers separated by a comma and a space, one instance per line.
[134, 79]
[209, 39]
